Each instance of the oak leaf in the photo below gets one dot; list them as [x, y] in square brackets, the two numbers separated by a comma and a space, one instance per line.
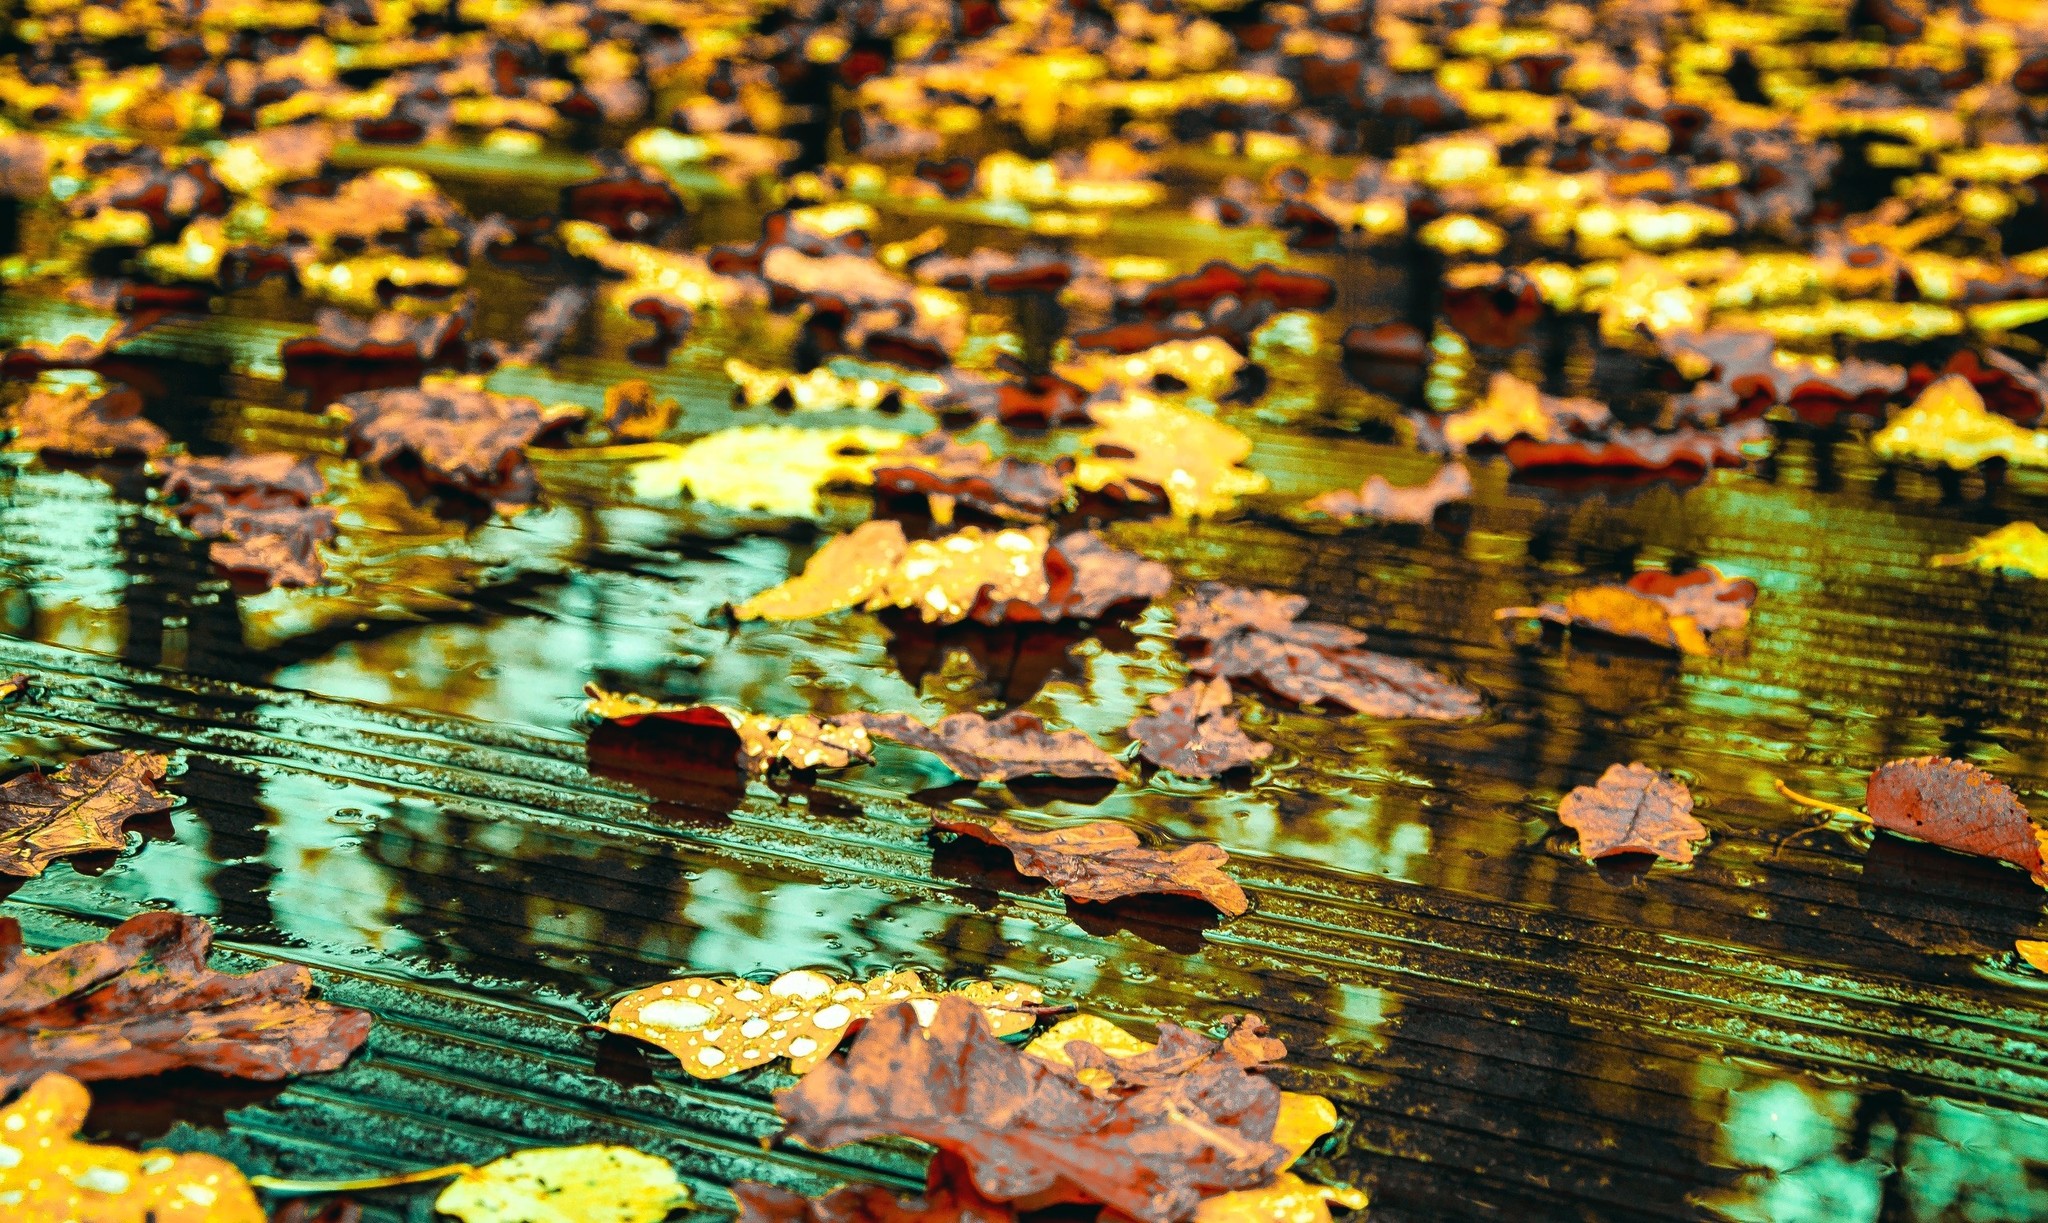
[800, 741]
[74, 421]
[2016, 547]
[721, 1026]
[776, 469]
[1633, 809]
[1956, 805]
[1377, 498]
[1193, 732]
[949, 472]
[142, 1001]
[80, 809]
[1105, 861]
[1682, 611]
[1014, 745]
[1949, 425]
[1030, 1129]
[1146, 449]
[583, 1184]
[54, 1175]
[457, 436]
[1253, 634]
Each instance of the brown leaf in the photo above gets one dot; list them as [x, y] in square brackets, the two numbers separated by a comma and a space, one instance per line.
[762, 741]
[1193, 732]
[1252, 634]
[142, 1001]
[1029, 1129]
[459, 437]
[247, 481]
[1014, 745]
[71, 420]
[1956, 805]
[1743, 370]
[279, 547]
[1679, 610]
[1105, 861]
[949, 1197]
[387, 335]
[44, 817]
[261, 505]
[1379, 499]
[1089, 577]
[1633, 809]
[948, 471]
[1642, 450]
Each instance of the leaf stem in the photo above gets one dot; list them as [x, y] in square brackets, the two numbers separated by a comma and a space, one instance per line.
[1804, 800]
[278, 1184]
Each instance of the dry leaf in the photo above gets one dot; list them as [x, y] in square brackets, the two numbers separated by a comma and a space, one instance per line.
[586, 1184]
[142, 1001]
[73, 420]
[1105, 861]
[2016, 547]
[1014, 745]
[1384, 501]
[1683, 611]
[1193, 732]
[1949, 424]
[78, 809]
[54, 1176]
[1633, 809]
[721, 1026]
[1956, 805]
[799, 740]
[1147, 448]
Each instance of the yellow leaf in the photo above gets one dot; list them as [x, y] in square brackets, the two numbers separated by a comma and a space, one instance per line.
[1624, 613]
[1289, 1199]
[2033, 952]
[1206, 365]
[821, 390]
[841, 574]
[1145, 443]
[721, 1026]
[587, 1184]
[800, 740]
[944, 578]
[1949, 424]
[2017, 547]
[47, 1173]
[773, 468]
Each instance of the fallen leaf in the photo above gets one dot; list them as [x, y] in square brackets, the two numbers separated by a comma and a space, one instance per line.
[1014, 745]
[840, 575]
[800, 741]
[1633, 809]
[1030, 1129]
[984, 574]
[721, 1026]
[820, 390]
[2016, 547]
[1682, 611]
[262, 505]
[2033, 951]
[1745, 371]
[1105, 861]
[279, 547]
[1379, 499]
[1088, 577]
[1146, 449]
[1193, 732]
[1289, 1199]
[949, 1197]
[1514, 408]
[457, 436]
[142, 1001]
[1252, 634]
[75, 421]
[79, 809]
[632, 413]
[53, 1175]
[249, 481]
[1956, 805]
[776, 469]
[1645, 450]
[388, 335]
[14, 685]
[949, 472]
[1949, 425]
[585, 1184]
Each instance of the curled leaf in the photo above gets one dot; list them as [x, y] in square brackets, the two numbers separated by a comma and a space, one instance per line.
[800, 741]
[1956, 805]
[1105, 861]
[1633, 809]
[78, 809]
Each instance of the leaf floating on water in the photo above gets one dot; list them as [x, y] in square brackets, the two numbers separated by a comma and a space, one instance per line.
[142, 1001]
[1026, 1126]
[1956, 805]
[1681, 611]
[586, 1184]
[774, 469]
[262, 504]
[1193, 732]
[1014, 745]
[459, 436]
[1514, 408]
[1633, 809]
[76, 421]
[1949, 425]
[1387, 502]
[970, 572]
[78, 809]
[842, 574]
[949, 472]
[2017, 547]
[1106, 861]
[1147, 448]
[721, 1026]
[53, 1175]
[800, 741]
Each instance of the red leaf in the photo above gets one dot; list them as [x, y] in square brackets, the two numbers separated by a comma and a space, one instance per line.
[1014, 745]
[1105, 861]
[1633, 809]
[1956, 805]
[1193, 733]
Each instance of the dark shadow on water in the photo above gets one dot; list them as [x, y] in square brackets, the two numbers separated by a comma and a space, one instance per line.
[132, 1111]
[1176, 923]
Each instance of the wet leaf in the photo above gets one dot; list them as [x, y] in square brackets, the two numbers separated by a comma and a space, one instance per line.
[1088, 577]
[776, 469]
[142, 1001]
[1029, 1129]
[1949, 425]
[586, 1184]
[2034, 952]
[1146, 449]
[820, 390]
[840, 575]
[78, 809]
[1956, 805]
[1289, 1199]
[1633, 809]
[949, 473]
[721, 1026]
[1384, 501]
[1683, 611]
[53, 1175]
[456, 436]
[1515, 409]
[1014, 745]
[971, 572]
[1105, 861]
[800, 741]
[2017, 547]
[1632, 450]
[75, 421]
[949, 1197]
[262, 505]
[387, 335]
[1193, 732]
[1253, 634]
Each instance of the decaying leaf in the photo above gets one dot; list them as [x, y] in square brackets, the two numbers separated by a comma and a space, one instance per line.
[458, 436]
[1088, 577]
[1633, 809]
[1147, 448]
[721, 1026]
[1683, 611]
[586, 1184]
[1028, 1128]
[76, 421]
[1956, 805]
[1193, 732]
[1253, 634]
[776, 469]
[949, 473]
[1014, 745]
[53, 1175]
[2016, 547]
[142, 1001]
[1105, 861]
[1389, 503]
[1949, 425]
[79, 809]
[800, 741]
